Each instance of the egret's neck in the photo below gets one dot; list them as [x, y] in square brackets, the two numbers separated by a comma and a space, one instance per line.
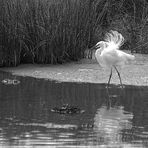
[98, 53]
[102, 46]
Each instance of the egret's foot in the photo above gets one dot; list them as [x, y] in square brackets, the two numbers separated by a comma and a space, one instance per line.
[121, 86]
[108, 87]
[115, 85]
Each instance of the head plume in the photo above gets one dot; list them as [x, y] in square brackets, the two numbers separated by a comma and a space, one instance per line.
[114, 38]
[102, 44]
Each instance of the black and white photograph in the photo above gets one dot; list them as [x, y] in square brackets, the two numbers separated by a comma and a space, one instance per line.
[73, 73]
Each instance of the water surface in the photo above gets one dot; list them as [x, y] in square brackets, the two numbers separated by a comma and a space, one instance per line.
[26, 119]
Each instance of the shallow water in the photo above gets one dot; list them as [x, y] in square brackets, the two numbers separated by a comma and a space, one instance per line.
[26, 119]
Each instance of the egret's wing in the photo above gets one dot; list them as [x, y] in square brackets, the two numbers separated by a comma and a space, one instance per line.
[108, 58]
[125, 56]
[115, 57]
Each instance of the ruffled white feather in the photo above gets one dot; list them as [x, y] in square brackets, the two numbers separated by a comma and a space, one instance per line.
[114, 38]
[108, 53]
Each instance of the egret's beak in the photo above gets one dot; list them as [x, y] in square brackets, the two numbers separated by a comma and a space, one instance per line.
[98, 45]
[95, 47]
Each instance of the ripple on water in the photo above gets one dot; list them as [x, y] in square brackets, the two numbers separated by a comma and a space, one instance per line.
[26, 118]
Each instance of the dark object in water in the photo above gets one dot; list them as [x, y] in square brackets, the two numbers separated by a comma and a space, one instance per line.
[10, 81]
[67, 109]
[87, 125]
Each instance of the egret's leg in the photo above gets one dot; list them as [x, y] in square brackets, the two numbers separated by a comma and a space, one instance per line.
[118, 75]
[109, 78]
[109, 103]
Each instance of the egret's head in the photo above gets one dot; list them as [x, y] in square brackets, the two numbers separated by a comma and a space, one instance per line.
[100, 45]
[112, 40]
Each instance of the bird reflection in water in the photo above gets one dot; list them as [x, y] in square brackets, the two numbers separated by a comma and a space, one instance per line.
[109, 123]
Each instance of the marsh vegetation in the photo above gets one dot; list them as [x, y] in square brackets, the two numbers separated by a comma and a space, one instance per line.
[57, 31]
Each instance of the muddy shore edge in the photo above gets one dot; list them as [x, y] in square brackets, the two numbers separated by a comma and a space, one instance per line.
[86, 70]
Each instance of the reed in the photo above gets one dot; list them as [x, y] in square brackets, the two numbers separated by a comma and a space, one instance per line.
[45, 31]
[56, 31]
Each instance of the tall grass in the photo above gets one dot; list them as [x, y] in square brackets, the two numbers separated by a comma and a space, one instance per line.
[55, 31]
[45, 31]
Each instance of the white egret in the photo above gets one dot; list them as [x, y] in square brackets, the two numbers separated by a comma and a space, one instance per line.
[108, 53]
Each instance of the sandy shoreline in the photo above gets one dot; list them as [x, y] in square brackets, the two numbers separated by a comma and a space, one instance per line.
[86, 71]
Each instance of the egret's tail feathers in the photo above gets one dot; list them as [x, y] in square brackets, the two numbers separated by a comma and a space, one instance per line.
[114, 37]
[130, 57]
[127, 57]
